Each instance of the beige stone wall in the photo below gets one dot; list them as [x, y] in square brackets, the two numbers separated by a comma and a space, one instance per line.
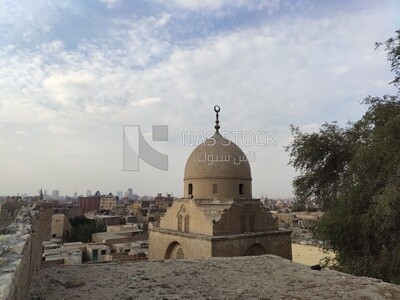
[162, 242]
[277, 243]
[249, 216]
[227, 188]
[31, 254]
[309, 254]
[227, 236]
[59, 225]
[198, 223]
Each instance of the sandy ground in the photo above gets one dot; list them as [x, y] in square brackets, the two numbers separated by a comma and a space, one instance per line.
[262, 277]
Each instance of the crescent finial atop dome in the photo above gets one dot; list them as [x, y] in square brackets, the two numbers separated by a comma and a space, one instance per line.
[217, 109]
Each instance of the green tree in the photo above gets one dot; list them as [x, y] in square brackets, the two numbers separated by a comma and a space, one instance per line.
[353, 173]
[83, 228]
[321, 158]
[393, 55]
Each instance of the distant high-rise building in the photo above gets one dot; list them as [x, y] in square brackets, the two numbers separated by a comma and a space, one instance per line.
[45, 193]
[56, 194]
[75, 194]
[129, 194]
[88, 193]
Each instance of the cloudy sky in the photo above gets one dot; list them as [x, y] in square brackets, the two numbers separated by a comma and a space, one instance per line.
[72, 73]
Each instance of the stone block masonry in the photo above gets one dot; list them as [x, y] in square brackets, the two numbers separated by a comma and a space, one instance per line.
[21, 249]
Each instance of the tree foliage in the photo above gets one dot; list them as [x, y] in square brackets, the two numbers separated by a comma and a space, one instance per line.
[83, 228]
[353, 173]
[393, 55]
[321, 158]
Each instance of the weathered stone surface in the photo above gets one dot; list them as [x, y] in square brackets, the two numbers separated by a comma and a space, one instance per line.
[3, 250]
[12, 228]
[21, 249]
[74, 284]
[262, 277]
[18, 248]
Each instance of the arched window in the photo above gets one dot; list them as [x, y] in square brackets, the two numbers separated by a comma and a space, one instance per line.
[215, 189]
[180, 223]
[241, 189]
[187, 226]
[190, 189]
[243, 223]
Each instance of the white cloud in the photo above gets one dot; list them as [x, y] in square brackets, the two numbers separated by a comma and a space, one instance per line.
[382, 83]
[92, 109]
[310, 128]
[110, 3]
[146, 102]
[340, 70]
[199, 4]
[214, 5]
[54, 128]
[163, 20]
[26, 21]
[21, 132]
[70, 87]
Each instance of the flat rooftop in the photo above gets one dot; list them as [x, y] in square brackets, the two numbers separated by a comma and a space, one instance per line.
[261, 277]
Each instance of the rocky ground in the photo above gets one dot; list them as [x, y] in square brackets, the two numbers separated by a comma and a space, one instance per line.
[262, 277]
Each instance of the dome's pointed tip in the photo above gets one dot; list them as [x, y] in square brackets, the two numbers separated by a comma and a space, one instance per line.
[217, 109]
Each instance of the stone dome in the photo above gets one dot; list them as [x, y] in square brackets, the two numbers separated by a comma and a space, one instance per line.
[217, 168]
[217, 158]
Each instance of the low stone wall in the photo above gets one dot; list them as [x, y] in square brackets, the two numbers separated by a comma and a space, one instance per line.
[310, 254]
[21, 249]
[52, 263]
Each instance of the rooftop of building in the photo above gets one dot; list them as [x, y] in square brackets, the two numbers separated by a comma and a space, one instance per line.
[115, 234]
[106, 216]
[261, 277]
[96, 246]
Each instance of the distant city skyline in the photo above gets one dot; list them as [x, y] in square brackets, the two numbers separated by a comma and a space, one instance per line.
[129, 193]
[73, 73]
[119, 193]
